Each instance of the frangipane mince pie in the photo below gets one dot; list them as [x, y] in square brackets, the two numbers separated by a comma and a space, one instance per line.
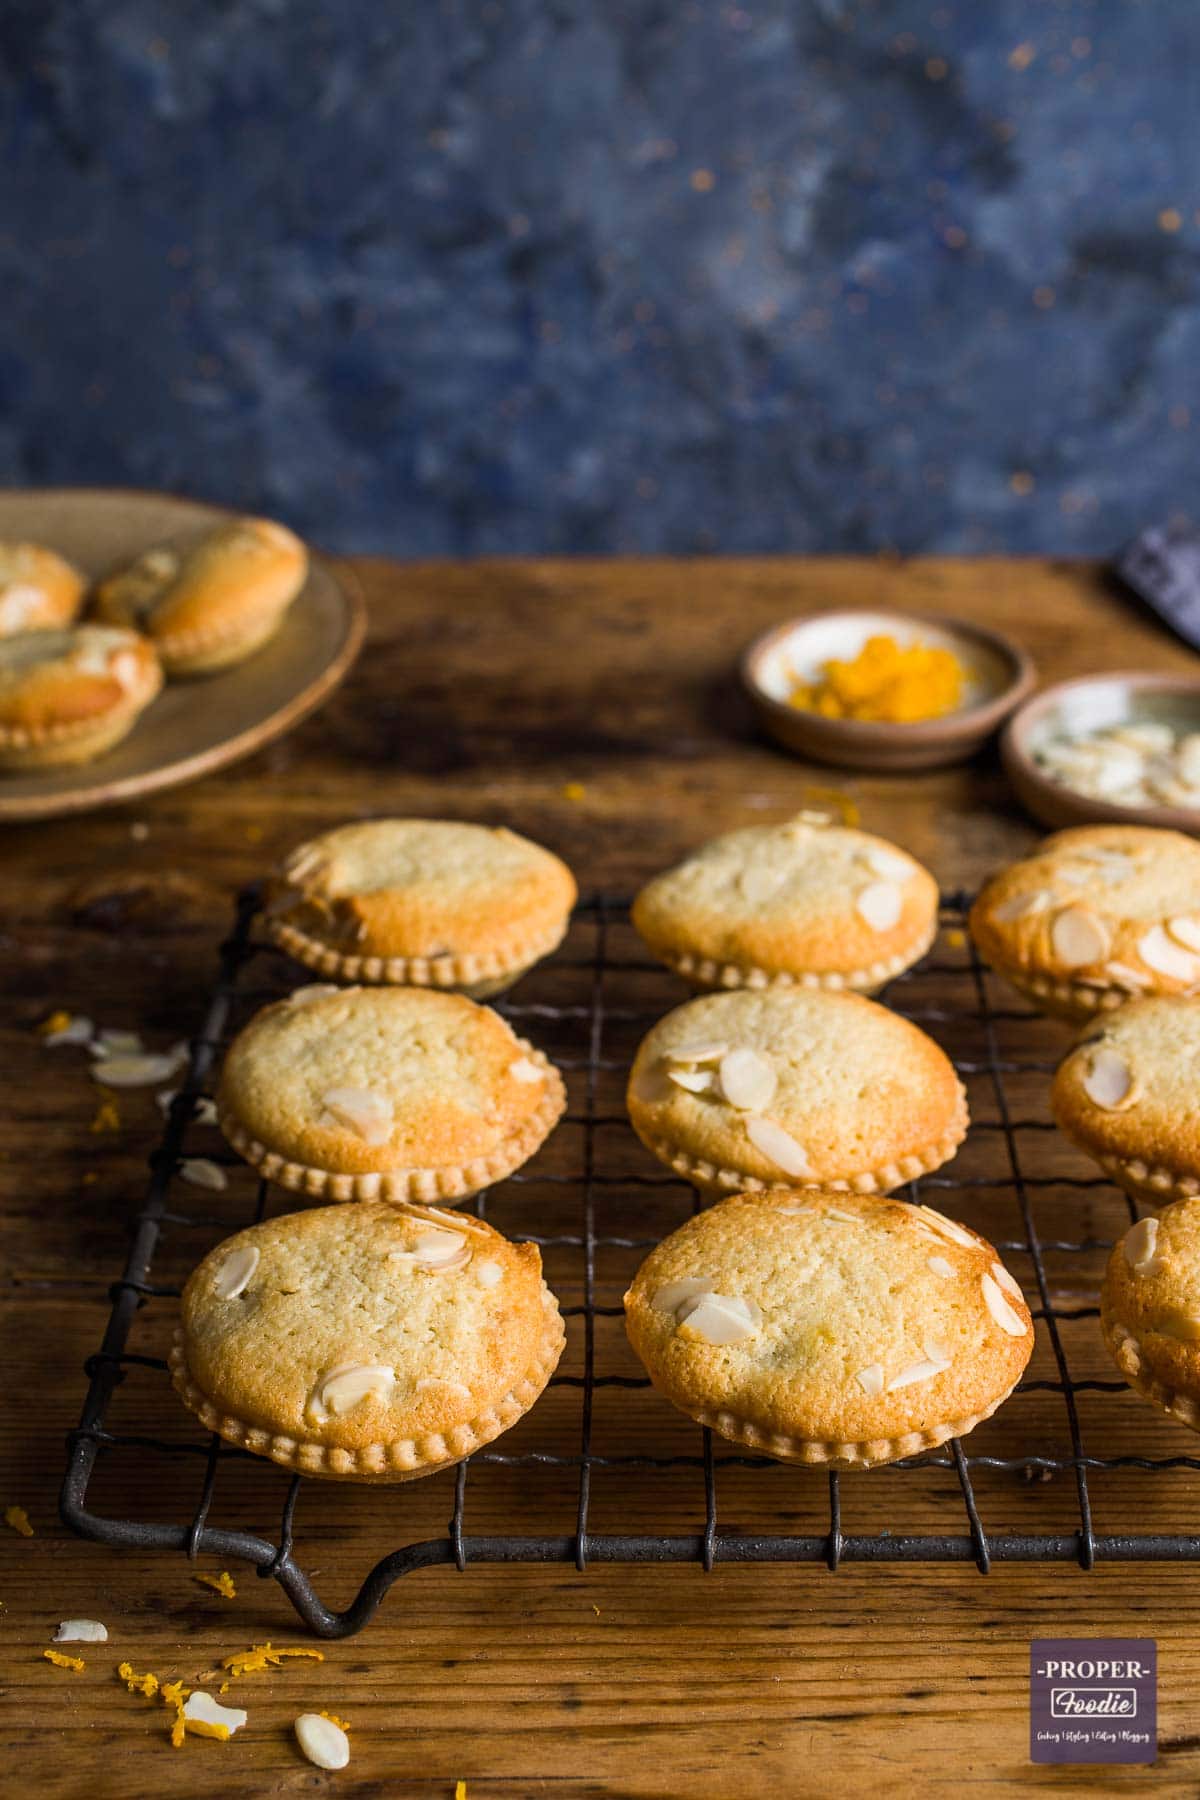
[66, 696]
[1150, 1310]
[1127, 1094]
[366, 1343]
[803, 903]
[422, 903]
[213, 602]
[1096, 915]
[385, 1093]
[746, 1090]
[829, 1329]
[39, 590]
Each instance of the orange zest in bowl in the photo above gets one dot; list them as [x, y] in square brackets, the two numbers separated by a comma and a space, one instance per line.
[887, 683]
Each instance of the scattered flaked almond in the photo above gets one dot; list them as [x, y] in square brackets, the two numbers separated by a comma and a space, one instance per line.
[777, 1145]
[369, 1115]
[136, 1071]
[1009, 1283]
[236, 1272]
[842, 1218]
[1159, 953]
[888, 864]
[698, 1051]
[870, 1379]
[1141, 1244]
[488, 1273]
[441, 1250]
[62, 1028]
[1022, 906]
[948, 1228]
[915, 1372]
[81, 1631]
[879, 905]
[1108, 1080]
[1002, 1312]
[454, 1221]
[693, 1081]
[1186, 931]
[201, 1707]
[108, 1043]
[526, 1070]
[940, 1266]
[202, 1172]
[671, 1297]
[1122, 976]
[315, 990]
[323, 1743]
[1079, 936]
[204, 1109]
[443, 1382]
[718, 1319]
[341, 1389]
[747, 1079]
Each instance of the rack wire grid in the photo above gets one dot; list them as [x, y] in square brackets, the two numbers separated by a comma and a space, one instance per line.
[602, 1469]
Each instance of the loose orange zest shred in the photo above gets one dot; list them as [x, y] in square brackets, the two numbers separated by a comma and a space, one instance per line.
[106, 1117]
[58, 1021]
[138, 1684]
[61, 1661]
[460, 1790]
[17, 1519]
[827, 798]
[334, 1720]
[220, 1584]
[261, 1657]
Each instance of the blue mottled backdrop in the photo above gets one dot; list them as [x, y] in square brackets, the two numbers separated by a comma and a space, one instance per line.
[559, 275]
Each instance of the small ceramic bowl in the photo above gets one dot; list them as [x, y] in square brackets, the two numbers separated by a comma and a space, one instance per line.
[999, 676]
[1094, 703]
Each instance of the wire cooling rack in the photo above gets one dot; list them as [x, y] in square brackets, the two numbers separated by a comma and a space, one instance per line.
[602, 1465]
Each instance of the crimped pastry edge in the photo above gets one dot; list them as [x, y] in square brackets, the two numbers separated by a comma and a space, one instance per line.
[453, 1181]
[403, 1459]
[869, 1453]
[705, 972]
[1155, 1185]
[710, 1178]
[1075, 1001]
[502, 965]
[175, 647]
[1125, 1348]
[23, 737]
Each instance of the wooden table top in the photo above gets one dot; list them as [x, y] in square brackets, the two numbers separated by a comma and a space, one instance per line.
[590, 705]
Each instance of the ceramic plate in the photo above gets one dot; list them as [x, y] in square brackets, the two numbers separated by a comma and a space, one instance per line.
[194, 726]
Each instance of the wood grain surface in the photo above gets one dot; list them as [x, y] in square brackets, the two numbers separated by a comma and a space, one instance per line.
[593, 706]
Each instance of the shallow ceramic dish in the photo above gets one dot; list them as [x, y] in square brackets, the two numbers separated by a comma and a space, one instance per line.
[999, 675]
[194, 726]
[1094, 703]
